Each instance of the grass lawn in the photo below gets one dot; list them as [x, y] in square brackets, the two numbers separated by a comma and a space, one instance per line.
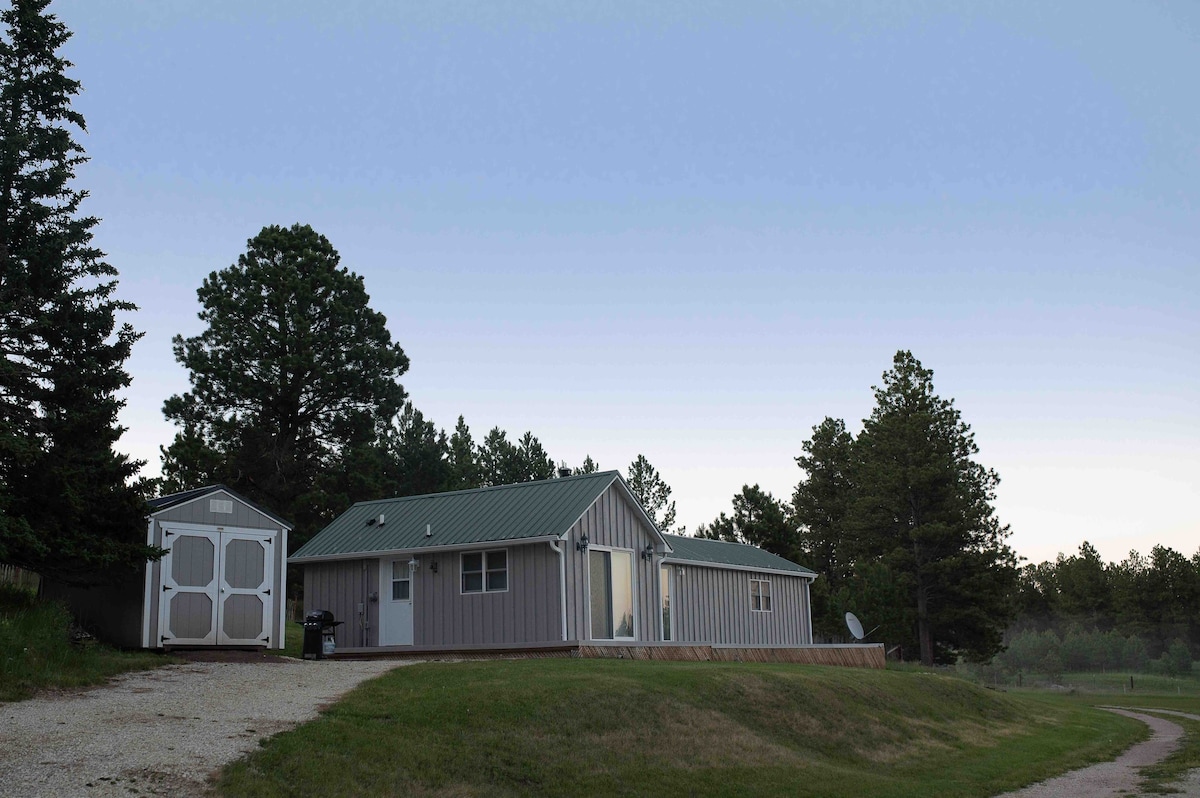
[293, 641]
[36, 652]
[598, 727]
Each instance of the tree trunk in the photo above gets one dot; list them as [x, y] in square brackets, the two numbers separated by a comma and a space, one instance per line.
[924, 630]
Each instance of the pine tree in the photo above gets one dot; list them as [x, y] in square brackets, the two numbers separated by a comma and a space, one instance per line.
[589, 467]
[923, 507]
[820, 505]
[464, 459]
[71, 507]
[759, 519]
[419, 453]
[653, 492]
[294, 376]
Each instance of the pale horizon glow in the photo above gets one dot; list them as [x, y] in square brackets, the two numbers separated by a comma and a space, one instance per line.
[693, 231]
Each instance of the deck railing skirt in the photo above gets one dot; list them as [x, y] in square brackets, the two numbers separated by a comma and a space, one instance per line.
[850, 656]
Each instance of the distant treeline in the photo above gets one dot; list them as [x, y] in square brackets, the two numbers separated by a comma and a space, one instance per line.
[1080, 613]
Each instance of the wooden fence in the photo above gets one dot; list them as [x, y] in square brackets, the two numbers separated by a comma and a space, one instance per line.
[12, 575]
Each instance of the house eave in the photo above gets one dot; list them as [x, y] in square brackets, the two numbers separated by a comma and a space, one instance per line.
[755, 569]
[383, 553]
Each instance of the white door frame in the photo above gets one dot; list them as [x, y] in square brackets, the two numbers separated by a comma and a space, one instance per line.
[262, 590]
[396, 615]
[217, 589]
[633, 586]
[170, 588]
[670, 589]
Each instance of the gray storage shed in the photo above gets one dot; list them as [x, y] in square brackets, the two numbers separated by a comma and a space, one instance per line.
[220, 583]
[562, 561]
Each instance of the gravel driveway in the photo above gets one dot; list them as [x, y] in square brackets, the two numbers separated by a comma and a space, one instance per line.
[163, 732]
[1120, 776]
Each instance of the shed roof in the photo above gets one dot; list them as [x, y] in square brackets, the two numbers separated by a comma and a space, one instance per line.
[161, 503]
[736, 555]
[526, 510]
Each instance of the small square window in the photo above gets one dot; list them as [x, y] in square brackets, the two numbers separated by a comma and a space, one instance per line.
[485, 571]
[760, 595]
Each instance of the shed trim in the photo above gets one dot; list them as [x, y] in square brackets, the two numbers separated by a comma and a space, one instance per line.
[205, 493]
[727, 566]
[148, 588]
[188, 526]
[282, 599]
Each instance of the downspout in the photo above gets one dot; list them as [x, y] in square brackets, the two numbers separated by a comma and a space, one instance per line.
[558, 549]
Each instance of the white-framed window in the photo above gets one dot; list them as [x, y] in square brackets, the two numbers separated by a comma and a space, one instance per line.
[760, 595]
[401, 581]
[610, 576]
[484, 571]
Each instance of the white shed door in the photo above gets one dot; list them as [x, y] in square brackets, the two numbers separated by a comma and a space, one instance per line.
[244, 606]
[216, 588]
[188, 607]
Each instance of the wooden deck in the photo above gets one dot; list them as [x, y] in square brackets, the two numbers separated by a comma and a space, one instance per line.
[869, 655]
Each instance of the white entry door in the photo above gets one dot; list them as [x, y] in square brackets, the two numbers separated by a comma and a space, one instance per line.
[396, 603]
[216, 587]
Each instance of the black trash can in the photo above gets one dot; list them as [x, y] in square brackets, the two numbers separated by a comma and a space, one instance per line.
[318, 634]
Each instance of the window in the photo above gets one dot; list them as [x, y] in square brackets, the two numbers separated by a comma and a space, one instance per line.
[485, 571]
[664, 580]
[760, 595]
[401, 581]
[611, 576]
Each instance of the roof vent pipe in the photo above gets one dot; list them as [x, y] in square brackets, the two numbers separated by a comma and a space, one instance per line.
[428, 530]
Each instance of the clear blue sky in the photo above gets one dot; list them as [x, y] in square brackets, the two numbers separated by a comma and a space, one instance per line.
[692, 230]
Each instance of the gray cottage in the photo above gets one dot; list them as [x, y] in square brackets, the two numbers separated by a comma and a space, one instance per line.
[220, 583]
[571, 561]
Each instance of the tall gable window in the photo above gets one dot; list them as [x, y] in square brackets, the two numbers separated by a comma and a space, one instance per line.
[611, 579]
[485, 571]
[760, 595]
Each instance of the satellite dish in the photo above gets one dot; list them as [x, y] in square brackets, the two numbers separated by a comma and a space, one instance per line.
[852, 623]
[854, 626]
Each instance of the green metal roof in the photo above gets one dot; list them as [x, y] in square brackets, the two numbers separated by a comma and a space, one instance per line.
[739, 555]
[548, 508]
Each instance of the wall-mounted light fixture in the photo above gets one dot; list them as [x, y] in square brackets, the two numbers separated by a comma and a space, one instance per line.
[582, 544]
[648, 552]
[414, 564]
[433, 566]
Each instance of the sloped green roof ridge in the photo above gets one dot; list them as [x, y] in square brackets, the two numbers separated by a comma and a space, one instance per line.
[723, 553]
[505, 512]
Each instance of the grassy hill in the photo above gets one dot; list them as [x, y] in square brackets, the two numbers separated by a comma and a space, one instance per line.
[593, 727]
[36, 652]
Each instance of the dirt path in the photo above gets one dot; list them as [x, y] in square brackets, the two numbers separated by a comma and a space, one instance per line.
[1120, 776]
[162, 732]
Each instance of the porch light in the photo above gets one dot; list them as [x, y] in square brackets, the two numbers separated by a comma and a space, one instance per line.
[648, 552]
[582, 544]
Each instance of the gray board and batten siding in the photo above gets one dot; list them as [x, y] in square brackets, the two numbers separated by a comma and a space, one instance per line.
[613, 521]
[349, 590]
[712, 598]
[541, 526]
[220, 512]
